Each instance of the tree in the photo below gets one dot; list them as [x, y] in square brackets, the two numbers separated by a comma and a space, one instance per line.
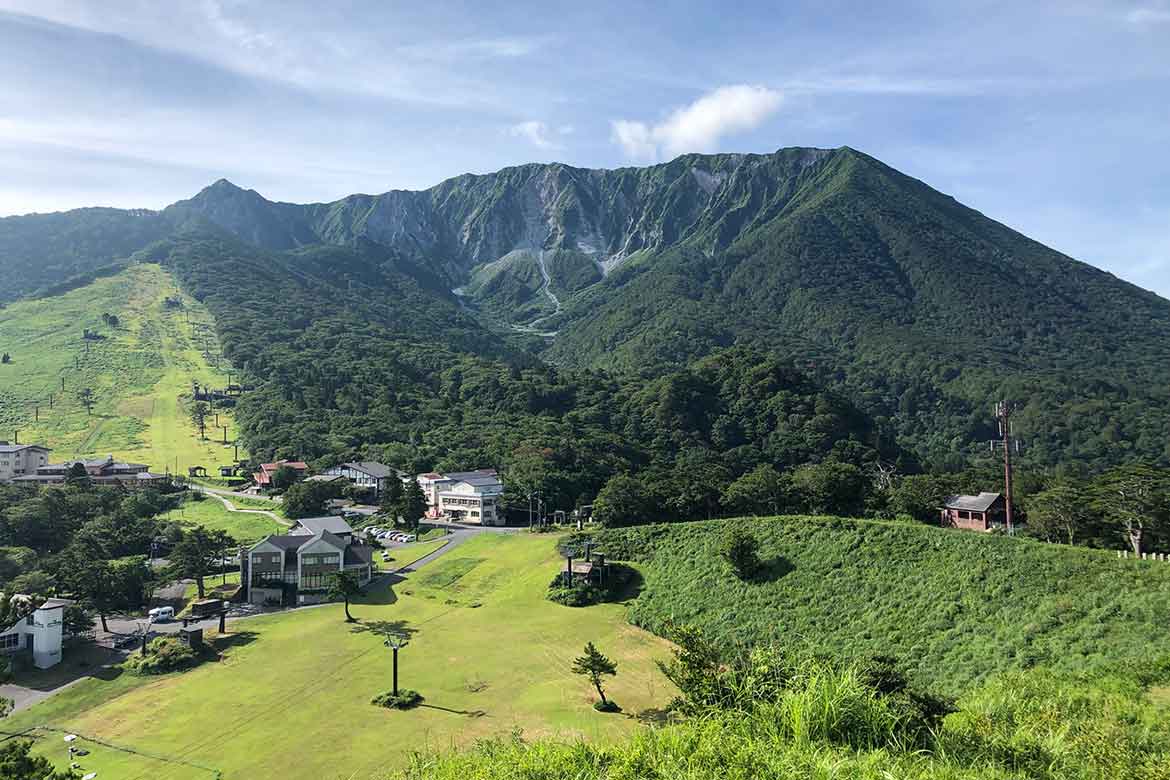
[344, 585]
[197, 552]
[1134, 498]
[414, 504]
[78, 476]
[762, 490]
[830, 488]
[593, 665]
[77, 619]
[284, 477]
[199, 411]
[1062, 511]
[308, 499]
[623, 501]
[740, 548]
[16, 608]
[86, 398]
[391, 499]
[104, 586]
[18, 763]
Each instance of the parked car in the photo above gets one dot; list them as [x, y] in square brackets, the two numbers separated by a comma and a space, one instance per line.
[162, 614]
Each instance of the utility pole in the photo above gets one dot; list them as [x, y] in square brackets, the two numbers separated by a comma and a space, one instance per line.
[1003, 414]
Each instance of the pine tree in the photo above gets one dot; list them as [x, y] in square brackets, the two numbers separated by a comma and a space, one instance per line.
[593, 664]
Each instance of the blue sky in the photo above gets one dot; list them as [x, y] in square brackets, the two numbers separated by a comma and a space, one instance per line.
[1051, 117]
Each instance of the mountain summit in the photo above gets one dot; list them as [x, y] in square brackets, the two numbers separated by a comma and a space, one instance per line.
[920, 309]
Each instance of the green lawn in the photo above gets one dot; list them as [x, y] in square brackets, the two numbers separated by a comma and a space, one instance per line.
[401, 557]
[488, 652]
[138, 373]
[244, 527]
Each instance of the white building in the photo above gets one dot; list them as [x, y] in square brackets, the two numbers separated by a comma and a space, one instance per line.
[17, 460]
[464, 496]
[39, 634]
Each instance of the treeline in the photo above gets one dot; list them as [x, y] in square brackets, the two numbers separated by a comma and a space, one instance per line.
[94, 544]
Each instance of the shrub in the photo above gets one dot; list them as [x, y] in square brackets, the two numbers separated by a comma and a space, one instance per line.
[618, 579]
[163, 654]
[607, 706]
[741, 550]
[405, 699]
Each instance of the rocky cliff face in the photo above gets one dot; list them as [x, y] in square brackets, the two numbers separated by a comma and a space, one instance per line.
[468, 221]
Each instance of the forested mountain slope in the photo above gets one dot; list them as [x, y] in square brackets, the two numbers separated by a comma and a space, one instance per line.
[917, 309]
[351, 352]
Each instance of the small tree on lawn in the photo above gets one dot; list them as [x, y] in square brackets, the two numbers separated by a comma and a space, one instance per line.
[344, 585]
[593, 664]
[740, 549]
[199, 411]
[86, 398]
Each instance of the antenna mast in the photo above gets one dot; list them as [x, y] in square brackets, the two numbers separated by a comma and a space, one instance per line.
[1003, 413]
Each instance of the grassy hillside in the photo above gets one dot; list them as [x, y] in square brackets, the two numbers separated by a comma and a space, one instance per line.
[954, 606]
[245, 526]
[487, 650]
[137, 372]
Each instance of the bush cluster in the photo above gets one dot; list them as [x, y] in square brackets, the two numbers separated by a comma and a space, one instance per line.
[163, 654]
[405, 699]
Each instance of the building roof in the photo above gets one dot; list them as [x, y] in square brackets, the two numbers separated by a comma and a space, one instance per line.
[331, 523]
[324, 478]
[358, 554]
[8, 449]
[431, 475]
[373, 468]
[283, 541]
[979, 503]
[466, 476]
[292, 464]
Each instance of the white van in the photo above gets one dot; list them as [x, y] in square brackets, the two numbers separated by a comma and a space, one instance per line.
[162, 614]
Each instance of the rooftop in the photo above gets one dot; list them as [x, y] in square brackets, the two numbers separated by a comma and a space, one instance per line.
[331, 523]
[979, 503]
[373, 468]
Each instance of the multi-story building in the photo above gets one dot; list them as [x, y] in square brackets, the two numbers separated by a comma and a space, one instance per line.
[464, 496]
[302, 561]
[100, 471]
[16, 460]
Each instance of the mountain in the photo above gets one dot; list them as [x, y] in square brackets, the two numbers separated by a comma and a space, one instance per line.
[917, 309]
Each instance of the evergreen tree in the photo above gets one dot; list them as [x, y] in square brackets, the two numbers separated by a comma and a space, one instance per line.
[414, 504]
[593, 665]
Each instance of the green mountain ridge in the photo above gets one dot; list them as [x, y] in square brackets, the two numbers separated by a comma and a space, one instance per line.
[918, 309]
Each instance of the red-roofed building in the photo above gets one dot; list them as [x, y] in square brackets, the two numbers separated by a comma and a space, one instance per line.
[263, 477]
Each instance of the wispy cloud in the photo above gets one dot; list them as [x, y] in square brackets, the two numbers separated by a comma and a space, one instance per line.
[540, 134]
[474, 49]
[1148, 15]
[698, 127]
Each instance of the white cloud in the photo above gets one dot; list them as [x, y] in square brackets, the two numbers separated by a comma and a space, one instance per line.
[1145, 16]
[539, 134]
[699, 126]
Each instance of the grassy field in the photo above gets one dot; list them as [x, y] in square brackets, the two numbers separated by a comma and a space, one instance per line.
[954, 606]
[137, 373]
[401, 557]
[487, 650]
[210, 512]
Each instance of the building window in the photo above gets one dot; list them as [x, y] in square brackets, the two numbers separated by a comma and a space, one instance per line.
[9, 642]
[314, 581]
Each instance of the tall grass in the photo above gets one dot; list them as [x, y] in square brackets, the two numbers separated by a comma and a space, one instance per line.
[832, 724]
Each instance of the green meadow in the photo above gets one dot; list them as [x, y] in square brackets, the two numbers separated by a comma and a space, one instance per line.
[138, 371]
[485, 648]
